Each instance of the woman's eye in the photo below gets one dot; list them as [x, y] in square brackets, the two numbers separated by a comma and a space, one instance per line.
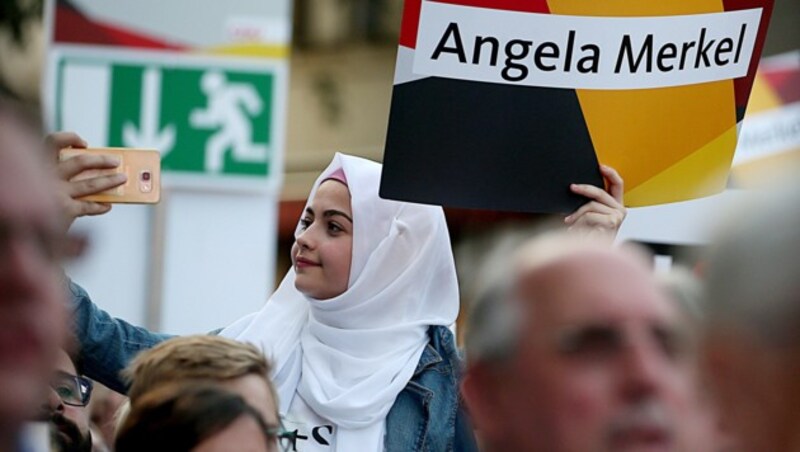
[333, 227]
[304, 223]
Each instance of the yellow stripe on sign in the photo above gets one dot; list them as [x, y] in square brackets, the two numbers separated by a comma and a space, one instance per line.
[643, 133]
[629, 8]
[250, 50]
[708, 168]
[762, 97]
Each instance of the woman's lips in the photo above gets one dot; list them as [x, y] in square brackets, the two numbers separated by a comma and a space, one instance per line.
[302, 262]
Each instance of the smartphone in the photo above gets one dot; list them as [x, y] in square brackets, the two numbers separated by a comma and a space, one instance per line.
[143, 167]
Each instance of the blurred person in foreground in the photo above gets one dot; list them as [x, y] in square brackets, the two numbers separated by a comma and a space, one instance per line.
[66, 407]
[575, 348]
[704, 430]
[194, 417]
[235, 366]
[32, 314]
[752, 340]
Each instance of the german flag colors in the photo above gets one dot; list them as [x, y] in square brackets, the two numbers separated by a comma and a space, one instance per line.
[501, 104]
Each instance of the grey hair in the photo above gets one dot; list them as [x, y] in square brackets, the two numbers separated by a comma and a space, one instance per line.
[753, 278]
[495, 320]
[685, 289]
[493, 325]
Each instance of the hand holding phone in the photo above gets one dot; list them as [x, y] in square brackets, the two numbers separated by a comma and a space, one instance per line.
[140, 168]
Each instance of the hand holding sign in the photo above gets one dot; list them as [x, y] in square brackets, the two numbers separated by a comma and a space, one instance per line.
[603, 215]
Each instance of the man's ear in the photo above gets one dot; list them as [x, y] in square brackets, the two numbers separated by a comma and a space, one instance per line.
[479, 387]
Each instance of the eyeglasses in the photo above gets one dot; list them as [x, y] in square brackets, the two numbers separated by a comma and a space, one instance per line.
[286, 440]
[72, 389]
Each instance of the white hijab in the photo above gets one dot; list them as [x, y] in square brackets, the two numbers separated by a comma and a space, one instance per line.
[349, 357]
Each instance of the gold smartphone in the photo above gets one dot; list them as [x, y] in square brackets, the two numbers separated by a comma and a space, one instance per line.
[142, 166]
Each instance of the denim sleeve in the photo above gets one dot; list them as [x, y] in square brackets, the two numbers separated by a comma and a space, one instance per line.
[107, 344]
[465, 435]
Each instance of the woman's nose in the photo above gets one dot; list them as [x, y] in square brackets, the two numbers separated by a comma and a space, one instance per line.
[305, 239]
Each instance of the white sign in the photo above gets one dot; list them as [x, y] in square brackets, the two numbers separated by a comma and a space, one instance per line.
[489, 45]
[769, 133]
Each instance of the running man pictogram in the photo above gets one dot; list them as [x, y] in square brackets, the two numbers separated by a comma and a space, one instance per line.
[230, 108]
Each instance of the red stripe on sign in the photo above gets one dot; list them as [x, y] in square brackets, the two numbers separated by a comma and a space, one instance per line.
[524, 6]
[74, 27]
[410, 24]
[786, 84]
[411, 10]
[743, 85]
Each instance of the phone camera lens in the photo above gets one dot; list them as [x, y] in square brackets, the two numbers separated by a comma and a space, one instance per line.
[145, 176]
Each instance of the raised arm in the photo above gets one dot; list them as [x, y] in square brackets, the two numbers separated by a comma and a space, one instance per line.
[107, 344]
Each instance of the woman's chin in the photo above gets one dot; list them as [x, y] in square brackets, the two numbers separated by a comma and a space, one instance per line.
[316, 293]
[307, 289]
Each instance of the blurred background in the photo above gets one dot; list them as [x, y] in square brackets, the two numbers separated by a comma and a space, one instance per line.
[209, 255]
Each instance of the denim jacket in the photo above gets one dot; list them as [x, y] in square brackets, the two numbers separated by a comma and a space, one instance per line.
[428, 414]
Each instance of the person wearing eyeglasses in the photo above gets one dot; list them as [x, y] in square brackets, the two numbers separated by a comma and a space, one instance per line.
[198, 416]
[205, 360]
[66, 409]
[234, 365]
[32, 302]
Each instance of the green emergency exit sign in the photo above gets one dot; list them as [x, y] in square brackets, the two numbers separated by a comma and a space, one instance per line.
[205, 120]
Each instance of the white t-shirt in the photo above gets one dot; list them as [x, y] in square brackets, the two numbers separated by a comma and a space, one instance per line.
[314, 434]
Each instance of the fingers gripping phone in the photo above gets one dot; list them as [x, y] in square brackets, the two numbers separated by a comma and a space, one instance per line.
[142, 166]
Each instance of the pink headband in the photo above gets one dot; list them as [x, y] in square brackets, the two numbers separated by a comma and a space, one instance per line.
[337, 175]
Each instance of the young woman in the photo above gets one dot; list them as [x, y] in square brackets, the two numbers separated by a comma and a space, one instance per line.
[373, 285]
[358, 328]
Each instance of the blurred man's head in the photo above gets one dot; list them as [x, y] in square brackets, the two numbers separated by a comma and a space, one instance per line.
[703, 430]
[753, 321]
[32, 315]
[239, 367]
[194, 416]
[595, 361]
[67, 408]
